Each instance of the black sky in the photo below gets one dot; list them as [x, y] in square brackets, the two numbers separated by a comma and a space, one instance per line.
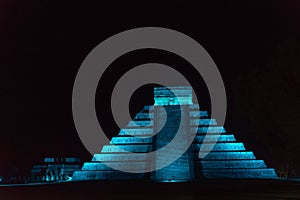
[256, 46]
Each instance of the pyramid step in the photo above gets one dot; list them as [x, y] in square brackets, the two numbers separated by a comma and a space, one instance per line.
[148, 108]
[138, 148]
[237, 146]
[214, 138]
[203, 122]
[105, 175]
[246, 164]
[103, 167]
[229, 155]
[240, 173]
[191, 107]
[169, 101]
[204, 130]
[118, 157]
[194, 106]
[131, 140]
[198, 114]
[144, 116]
[136, 131]
[140, 123]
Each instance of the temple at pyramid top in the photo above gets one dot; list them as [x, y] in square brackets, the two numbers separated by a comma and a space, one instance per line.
[180, 95]
[227, 159]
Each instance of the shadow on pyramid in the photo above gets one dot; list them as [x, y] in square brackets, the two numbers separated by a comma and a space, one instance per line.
[226, 159]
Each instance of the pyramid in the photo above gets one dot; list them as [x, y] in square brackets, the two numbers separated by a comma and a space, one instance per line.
[228, 158]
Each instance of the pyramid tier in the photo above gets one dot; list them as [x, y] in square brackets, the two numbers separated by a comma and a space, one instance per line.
[131, 140]
[229, 155]
[126, 165]
[119, 157]
[138, 148]
[266, 173]
[106, 175]
[236, 146]
[214, 138]
[231, 164]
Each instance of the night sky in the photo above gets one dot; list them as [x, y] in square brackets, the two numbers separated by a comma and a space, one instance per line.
[256, 46]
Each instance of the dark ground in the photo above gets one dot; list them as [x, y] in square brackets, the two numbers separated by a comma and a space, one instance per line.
[208, 189]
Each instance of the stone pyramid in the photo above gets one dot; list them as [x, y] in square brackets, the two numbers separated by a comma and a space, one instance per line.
[227, 159]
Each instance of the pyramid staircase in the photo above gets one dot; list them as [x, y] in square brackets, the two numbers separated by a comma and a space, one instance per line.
[227, 159]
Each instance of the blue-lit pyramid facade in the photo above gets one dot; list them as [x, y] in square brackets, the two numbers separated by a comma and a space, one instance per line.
[227, 159]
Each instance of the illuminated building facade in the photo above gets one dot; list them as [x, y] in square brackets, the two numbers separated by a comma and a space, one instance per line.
[54, 169]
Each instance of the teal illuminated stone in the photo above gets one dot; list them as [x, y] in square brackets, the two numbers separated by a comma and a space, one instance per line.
[131, 140]
[197, 114]
[102, 167]
[164, 96]
[182, 168]
[123, 148]
[203, 122]
[109, 157]
[238, 146]
[227, 164]
[229, 155]
[147, 116]
[136, 131]
[105, 175]
[194, 107]
[140, 123]
[225, 158]
[147, 109]
[201, 130]
[214, 138]
[265, 173]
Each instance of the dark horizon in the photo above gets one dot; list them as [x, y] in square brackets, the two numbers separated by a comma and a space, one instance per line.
[256, 47]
